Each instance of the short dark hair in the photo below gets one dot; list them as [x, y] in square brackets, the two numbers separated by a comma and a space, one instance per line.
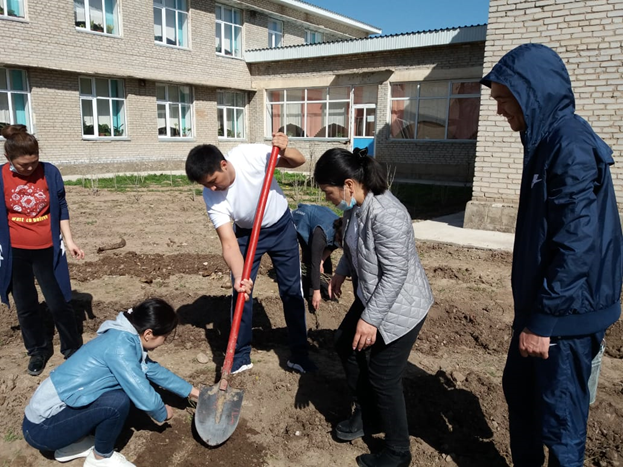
[19, 142]
[337, 164]
[203, 160]
[155, 314]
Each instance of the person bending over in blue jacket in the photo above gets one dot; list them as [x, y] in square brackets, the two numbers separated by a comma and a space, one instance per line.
[567, 262]
[392, 300]
[317, 230]
[80, 410]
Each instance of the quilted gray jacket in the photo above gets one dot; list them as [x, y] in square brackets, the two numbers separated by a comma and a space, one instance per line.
[393, 283]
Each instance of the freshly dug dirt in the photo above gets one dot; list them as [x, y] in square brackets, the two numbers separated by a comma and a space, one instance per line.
[456, 408]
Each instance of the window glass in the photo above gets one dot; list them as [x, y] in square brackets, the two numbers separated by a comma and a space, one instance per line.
[228, 31]
[463, 118]
[100, 16]
[12, 8]
[310, 113]
[295, 95]
[174, 105]
[435, 110]
[231, 114]
[317, 94]
[14, 98]
[364, 95]
[433, 89]
[171, 22]
[103, 114]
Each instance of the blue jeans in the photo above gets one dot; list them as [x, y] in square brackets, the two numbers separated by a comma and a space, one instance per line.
[548, 401]
[106, 416]
[280, 242]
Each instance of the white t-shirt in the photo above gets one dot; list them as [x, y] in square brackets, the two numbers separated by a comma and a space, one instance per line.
[239, 201]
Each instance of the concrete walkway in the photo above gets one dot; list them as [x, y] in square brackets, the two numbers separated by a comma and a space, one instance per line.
[449, 229]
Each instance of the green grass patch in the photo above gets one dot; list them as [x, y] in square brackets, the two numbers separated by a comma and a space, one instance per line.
[124, 182]
[11, 436]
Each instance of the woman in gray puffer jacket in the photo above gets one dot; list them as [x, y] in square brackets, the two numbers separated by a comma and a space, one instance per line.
[392, 298]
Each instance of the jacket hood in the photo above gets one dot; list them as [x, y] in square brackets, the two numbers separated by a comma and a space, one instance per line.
[539, 80]
[120, 324]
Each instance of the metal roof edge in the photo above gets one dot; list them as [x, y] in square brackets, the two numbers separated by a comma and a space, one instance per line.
[316, 10]
[458, 35]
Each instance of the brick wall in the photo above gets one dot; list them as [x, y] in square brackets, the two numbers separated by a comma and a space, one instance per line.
[49, 39]
[588, 36]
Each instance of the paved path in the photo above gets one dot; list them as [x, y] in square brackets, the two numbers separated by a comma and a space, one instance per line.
[449, 229]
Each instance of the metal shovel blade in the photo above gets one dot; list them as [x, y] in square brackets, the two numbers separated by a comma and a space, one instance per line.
[218, 412]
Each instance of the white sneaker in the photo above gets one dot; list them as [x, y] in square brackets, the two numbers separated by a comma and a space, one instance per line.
[116, 460]
[80, 448]
[246, 367]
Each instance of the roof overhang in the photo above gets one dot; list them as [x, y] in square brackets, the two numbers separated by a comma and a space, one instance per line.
[312, 9]
[459, 35]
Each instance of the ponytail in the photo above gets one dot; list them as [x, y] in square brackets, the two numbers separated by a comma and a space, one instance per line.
[336, 165]
[154, 314]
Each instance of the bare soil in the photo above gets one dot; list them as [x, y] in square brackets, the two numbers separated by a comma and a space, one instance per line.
[456, 407]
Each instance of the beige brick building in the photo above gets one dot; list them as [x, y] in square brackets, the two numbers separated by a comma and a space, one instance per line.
[588, 36]
[112, 86]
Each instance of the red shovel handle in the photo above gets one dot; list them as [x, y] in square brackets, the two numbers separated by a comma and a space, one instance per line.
[248, 262]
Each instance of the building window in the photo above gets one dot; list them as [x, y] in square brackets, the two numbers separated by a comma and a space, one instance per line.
[275, 33]
[171, 22]
[228, 31]
[14, 98]
[12, 8]
[313, 37]
[97, 16]
[175, 112]
[230, 114]
[309, 113]
[435, 110]
[102, 103]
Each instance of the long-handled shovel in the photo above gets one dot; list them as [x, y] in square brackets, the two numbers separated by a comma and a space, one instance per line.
[218, 408]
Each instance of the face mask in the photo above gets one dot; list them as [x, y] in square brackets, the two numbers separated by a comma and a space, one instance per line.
[12, 167]
[344, 206]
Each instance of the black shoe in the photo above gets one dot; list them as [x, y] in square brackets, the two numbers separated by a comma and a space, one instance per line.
[37, 364]
[352, 428]
[386, 458]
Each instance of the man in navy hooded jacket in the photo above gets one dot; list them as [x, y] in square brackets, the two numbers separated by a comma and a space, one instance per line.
[567, 265]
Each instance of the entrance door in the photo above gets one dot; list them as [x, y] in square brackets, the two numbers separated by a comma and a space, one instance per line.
[364, 126]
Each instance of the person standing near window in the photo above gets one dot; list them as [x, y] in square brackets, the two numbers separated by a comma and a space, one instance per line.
[34, 239]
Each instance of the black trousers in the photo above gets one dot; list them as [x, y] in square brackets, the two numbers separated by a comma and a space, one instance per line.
[375, 377]
[39, 264]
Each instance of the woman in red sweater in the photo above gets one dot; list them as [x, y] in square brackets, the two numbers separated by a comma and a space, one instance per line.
[34, 223]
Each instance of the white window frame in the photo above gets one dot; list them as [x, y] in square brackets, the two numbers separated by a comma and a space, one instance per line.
[93, 99]
[222, 25]
[313, 37]
[232, 109]
[4, 7]
[109, 29]
[449, 96]
[275, 33]
[180, 10]
[327, 102]
[10, 97]
[172, 101]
